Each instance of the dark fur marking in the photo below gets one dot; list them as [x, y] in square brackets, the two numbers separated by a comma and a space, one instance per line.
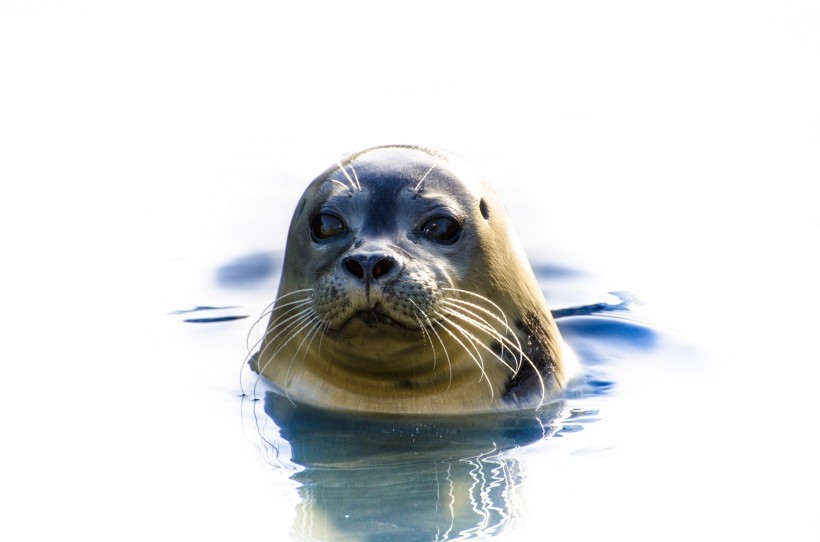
[535, 346]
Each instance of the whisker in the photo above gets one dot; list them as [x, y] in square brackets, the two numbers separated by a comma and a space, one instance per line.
[446, 354]
[523, 356]
[299, 304]
[276, 324]
[317, 324]
[418, 187]
[343, 185]
[443, 347]
[326, 326]
[428, 339]
[295, 321]
[488, 300]
[267, 310]
[479, 364]
[505, 322]
[271, 446]
[255, 325]
[480, 342]
[295, 306]
[283, 296]
[251, 349]
[305, 322]
[355, 176]
[512, 347]
[472, 340]
[349, 179]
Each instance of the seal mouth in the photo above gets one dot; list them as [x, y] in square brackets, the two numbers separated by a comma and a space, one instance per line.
[374, 317]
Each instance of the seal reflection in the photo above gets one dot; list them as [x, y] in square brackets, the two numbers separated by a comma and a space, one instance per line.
[399, 477]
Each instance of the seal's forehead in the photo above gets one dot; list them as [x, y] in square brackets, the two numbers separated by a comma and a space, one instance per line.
[393, 169]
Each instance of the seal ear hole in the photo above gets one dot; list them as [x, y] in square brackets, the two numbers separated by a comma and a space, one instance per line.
[485, 212]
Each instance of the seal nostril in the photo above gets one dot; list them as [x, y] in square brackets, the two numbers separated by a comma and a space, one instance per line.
[354, 267]
[382, 267]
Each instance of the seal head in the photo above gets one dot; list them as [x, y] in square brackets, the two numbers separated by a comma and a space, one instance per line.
[404, 290]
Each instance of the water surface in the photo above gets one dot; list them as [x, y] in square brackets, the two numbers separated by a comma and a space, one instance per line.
[430, 478]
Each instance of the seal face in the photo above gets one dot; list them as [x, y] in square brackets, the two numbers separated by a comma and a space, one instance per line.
[404, 290]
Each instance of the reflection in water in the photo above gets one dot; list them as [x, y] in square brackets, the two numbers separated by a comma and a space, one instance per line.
[434, 478]
[379, 478]
[398, 478]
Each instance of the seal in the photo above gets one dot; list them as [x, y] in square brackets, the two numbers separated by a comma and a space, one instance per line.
[405, 290]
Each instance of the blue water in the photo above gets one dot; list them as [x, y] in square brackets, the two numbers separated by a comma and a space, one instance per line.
[379, 478]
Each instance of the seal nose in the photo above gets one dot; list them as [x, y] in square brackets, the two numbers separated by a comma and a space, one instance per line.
[369, 266]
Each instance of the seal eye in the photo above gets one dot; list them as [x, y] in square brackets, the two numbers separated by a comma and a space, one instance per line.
[441, 229]
[326, 226]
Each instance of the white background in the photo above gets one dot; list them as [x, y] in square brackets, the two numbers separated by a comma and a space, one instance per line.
[671, 146]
